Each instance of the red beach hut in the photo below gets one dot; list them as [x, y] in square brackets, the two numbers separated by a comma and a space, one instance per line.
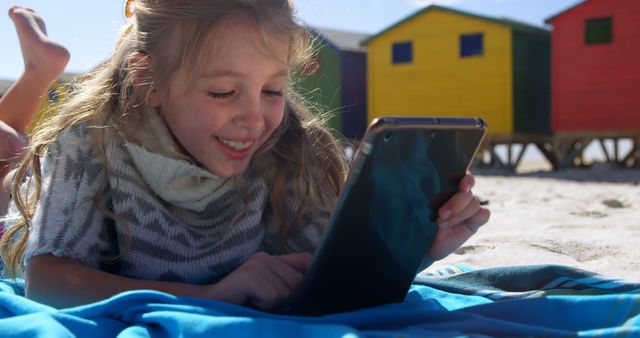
[595, 80]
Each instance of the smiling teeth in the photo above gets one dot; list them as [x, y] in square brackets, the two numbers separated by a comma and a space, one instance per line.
[236, 145]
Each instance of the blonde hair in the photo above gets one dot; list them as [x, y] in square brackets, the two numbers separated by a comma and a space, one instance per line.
[301, 158]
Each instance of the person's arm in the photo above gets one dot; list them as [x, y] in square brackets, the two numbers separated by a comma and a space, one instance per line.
[263, 281]
[63, 282]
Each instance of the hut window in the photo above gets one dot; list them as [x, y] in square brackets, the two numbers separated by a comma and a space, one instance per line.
[471, 45]
[598, 31]
[402, 52]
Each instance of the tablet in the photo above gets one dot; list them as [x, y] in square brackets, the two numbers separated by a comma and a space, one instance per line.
[405, 169]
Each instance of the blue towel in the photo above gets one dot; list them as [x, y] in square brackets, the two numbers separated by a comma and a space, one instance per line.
[549, 300]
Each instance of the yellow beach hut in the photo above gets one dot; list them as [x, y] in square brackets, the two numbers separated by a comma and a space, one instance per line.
[445, 62]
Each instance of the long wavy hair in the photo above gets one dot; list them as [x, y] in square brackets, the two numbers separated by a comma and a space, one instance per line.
[301, 158]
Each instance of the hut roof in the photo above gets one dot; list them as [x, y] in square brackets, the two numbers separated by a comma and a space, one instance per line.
[550, 19]
[513, 24]
[341, 40]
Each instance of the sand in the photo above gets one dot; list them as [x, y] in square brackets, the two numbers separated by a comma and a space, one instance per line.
[585, 217]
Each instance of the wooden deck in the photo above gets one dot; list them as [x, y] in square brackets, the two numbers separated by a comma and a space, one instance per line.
[562, 149]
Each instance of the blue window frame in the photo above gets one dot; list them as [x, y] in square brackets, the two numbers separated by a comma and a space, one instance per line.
[471, 45]
[402, 52]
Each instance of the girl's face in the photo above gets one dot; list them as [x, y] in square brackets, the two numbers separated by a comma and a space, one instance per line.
[237, 101]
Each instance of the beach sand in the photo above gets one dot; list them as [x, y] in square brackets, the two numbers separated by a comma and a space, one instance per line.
[584, 217]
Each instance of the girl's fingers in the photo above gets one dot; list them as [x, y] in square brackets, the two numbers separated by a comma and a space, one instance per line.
[263, 267]
[281, 273]
[454, 205]
[290, 269]
[467, 183]
[472, 207]
[299, 261]
[289, 276]
[458, 201]
[479, 219]
[276, 278]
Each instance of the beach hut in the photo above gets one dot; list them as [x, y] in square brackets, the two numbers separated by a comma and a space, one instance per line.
[595, 73]
[444, 62]
[336, 80]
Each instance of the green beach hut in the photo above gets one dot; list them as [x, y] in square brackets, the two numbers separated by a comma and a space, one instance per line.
[336, 80]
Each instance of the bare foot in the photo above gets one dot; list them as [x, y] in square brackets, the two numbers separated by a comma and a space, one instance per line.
[42, 56]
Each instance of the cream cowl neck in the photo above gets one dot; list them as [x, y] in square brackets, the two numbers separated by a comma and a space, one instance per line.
[168, 172]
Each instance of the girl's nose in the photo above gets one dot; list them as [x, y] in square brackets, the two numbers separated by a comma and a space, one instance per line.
[250, 113]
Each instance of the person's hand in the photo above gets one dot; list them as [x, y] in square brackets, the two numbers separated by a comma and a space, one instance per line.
[458, 219]
[263, 281]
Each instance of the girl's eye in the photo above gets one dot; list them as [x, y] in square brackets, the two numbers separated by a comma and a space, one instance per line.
[223, 95]
[269, 92]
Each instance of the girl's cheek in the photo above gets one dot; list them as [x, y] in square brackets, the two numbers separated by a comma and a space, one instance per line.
[277, 107]
[276, 101]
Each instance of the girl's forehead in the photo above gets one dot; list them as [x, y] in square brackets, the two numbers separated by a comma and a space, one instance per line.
[244, 35]
[237, 34]
[242, 25]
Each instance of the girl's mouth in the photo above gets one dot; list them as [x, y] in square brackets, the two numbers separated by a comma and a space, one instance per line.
[235, 145]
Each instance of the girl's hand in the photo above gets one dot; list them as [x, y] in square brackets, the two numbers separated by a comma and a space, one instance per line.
[459, 218]
[263, 281]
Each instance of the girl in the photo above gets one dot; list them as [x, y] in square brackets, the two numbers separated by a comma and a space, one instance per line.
[186, 163]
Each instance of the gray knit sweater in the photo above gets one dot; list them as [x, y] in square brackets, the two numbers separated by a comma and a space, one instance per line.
[174, 221]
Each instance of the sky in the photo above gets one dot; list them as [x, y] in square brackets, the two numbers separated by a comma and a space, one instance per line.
[88, 28]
